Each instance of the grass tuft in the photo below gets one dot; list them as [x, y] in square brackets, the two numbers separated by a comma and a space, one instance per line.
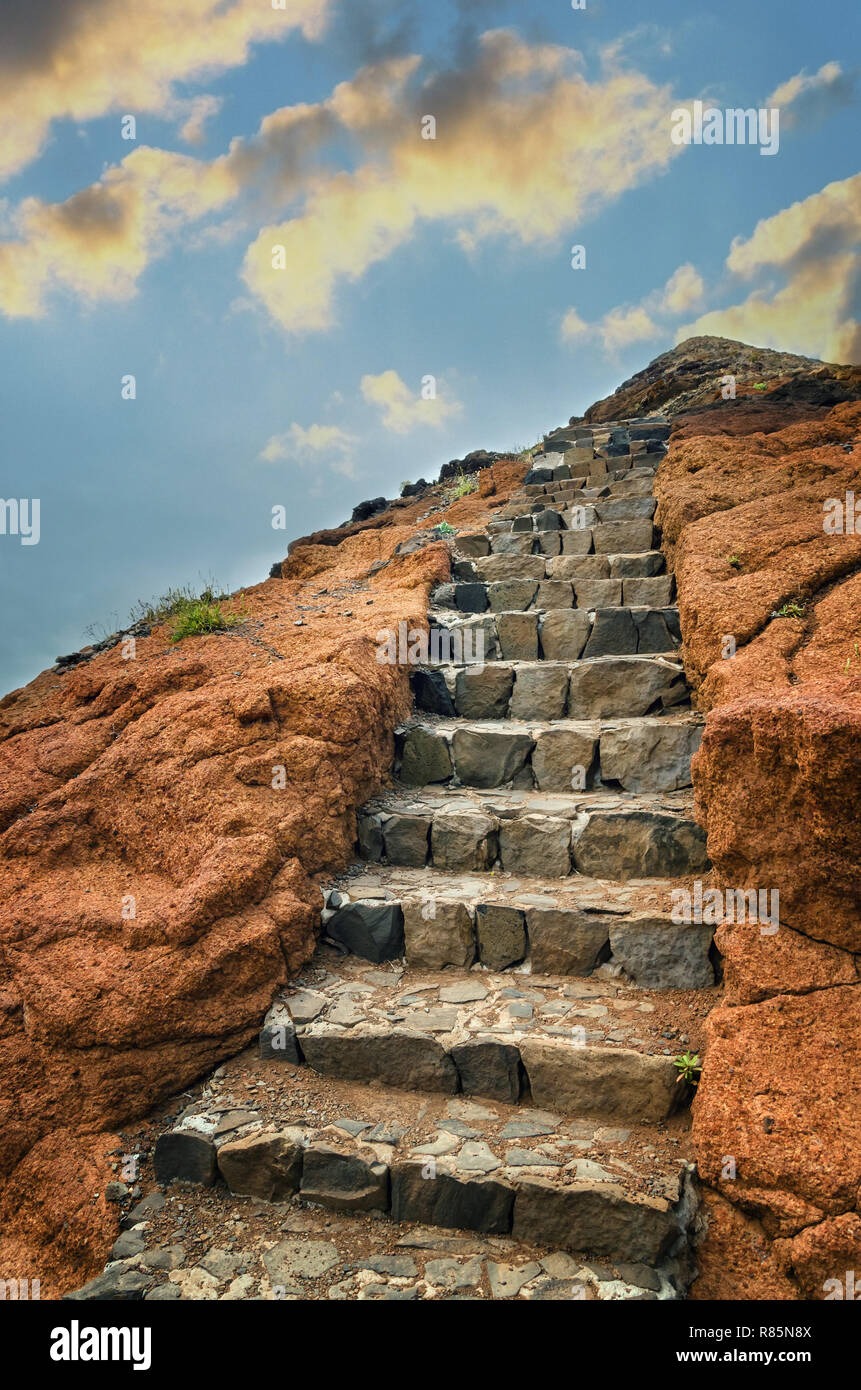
[464, 485]
[191, 614]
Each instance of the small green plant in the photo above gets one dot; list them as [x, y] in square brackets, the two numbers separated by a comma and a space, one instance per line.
[689, 1067]
[191, 613]
[461, 488]
[789, 610]
[444, 528]
[201, 616]
[735, 561]
[849, 659]
[761, 386]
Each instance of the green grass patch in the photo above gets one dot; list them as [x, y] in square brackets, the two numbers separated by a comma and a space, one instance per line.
[464, 485]
[790, 610]
[191, 614]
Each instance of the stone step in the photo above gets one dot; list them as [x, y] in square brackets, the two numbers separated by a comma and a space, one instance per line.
[606, 687]
[627, 518]
[237, 1248]
[516, 595]
[553, 634]
[592, 1048]
[595, 928]
[530, 1183]
[634, 482]
[493, 569]
[575, 512]
[576, 461]
[609, 473]
[606, 538]
[651, 754]
[551, 834]
[638, 483]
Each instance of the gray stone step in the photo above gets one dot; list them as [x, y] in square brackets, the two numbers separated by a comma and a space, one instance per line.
[644, 465]
[632, 531]
[592, 1048]
[651, 754]
[579, 461]
[635, 482]
[638, 482]
[607, 687]
[595, 1187]
[551, 834]
[603, 1210]
[492, 569]
[553, 634]
[576, 511]
[517, 595]
[605, 538]
[441, 920]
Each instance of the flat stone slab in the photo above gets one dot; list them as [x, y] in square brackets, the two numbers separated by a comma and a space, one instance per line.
[394, 1056]
[595, 1048]
[607, 1084]
[647, 835]
[568, 928]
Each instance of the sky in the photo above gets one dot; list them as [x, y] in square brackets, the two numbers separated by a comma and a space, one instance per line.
[337, 252]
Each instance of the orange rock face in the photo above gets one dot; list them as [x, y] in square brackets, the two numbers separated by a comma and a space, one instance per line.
[166, 821]
[777, 1120]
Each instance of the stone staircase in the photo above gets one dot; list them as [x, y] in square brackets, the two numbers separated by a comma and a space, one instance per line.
[485, 1040]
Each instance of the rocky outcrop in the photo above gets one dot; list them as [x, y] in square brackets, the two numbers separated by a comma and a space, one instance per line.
[769, 602]
[689, 381]
[166, 812]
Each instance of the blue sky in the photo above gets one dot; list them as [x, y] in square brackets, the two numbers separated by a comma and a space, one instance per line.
[407, 258]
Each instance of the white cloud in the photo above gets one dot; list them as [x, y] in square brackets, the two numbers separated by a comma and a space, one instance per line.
[635, 323]
[403, 409]
[85, 58]
[573, 326]
[683, 290]
[814, 244]
[311, 446]
[806, 99]
[525, 146]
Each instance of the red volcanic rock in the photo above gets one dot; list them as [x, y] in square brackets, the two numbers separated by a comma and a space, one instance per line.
[166, 822]
[776, 787]
[824, 1259]
[737, 1260]
[779, 1095]
[688, 383]
[759, 966]
[759, 503]
[743, 495]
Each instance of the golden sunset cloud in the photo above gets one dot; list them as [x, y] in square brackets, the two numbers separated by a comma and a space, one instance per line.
[524, 146]
[634, 323]
[815, 243]
[81, 59]
[98, 242]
